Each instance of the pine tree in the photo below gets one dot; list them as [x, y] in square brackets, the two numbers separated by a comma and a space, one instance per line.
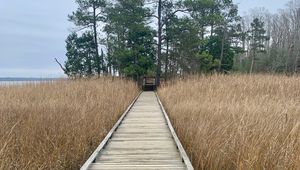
[87, 16]
[226, 28]
[81, 55]
[257, 36]
[133, 39]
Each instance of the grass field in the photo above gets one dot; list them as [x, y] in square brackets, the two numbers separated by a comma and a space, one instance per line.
[237, 122]
[57, 126]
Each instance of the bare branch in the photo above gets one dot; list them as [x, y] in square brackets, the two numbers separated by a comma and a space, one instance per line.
[154, 16]
[60, 65]
[81, 28]
[168, 17]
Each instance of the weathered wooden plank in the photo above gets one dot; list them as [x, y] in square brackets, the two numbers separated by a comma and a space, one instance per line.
[138, 158]
[158, 125]
[146, 116]
[152, 107]
[148, 135]
[142, 134]
[136, 144]
[143, 130]
[145, 120]
[146, 149]
[135, 167]
[147, 124]
[145, 110]
[139, 152]
[142, 139]
[119, 147]
[143, 162]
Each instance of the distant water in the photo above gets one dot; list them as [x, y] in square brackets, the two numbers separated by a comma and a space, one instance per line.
[22, 81]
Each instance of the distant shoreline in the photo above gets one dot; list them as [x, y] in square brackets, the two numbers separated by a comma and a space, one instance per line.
[22, 81]
[28, 79]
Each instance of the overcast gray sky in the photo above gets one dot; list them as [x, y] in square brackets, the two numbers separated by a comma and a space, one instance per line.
[33, 32]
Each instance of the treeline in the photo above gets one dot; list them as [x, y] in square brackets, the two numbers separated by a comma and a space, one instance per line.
[281, 52]
[175, 37]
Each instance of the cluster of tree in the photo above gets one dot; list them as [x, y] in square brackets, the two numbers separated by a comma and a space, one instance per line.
[276, 49]
[169, 37]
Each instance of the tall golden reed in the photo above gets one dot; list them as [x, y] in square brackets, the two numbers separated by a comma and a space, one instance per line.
[237, 121]
[57, 126]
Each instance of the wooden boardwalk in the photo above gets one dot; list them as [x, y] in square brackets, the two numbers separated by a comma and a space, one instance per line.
[143, 138]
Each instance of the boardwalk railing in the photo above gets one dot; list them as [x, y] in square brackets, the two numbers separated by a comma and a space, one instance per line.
[183, 154]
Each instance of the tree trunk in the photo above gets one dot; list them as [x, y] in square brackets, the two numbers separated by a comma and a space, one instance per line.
[89, 64]
[212, 23]
[222, 52]
[167, 62]
[102, 62]
[252, 63]
[296, 62]
[96, 41]
[297, 42]
[296, 66]
[289, 53]
[109, 59]
[158, 70]
[167, 54]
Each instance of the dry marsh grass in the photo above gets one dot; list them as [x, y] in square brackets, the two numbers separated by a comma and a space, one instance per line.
[238, 121]
[57, 126]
